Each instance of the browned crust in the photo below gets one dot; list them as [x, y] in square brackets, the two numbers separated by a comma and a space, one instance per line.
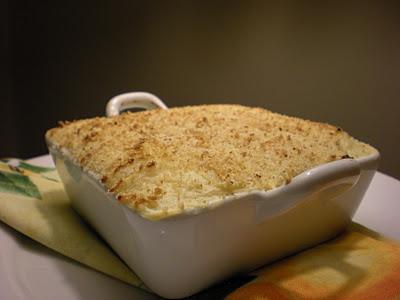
[192, 154]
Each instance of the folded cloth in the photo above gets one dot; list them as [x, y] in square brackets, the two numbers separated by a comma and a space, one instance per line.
[33, 201]
[359, 264]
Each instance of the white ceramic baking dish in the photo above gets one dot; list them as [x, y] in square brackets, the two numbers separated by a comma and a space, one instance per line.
[181, 255]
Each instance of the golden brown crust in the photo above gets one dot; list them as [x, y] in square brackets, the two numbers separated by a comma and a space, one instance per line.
[162, 162]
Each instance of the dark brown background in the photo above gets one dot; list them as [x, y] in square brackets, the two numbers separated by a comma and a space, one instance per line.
[337, 62]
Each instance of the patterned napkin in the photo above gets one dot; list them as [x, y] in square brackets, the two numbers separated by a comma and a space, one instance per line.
[359, 264]
[33, 201]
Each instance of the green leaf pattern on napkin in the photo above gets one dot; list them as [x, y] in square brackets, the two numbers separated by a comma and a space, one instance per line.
[18, 184]
[19, 166]
[45, 214]
[33, 168]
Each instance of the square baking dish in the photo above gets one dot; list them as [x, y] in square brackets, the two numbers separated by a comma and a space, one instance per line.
[179, 256]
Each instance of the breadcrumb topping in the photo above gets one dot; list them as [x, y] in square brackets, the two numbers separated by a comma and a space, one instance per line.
[164, 162]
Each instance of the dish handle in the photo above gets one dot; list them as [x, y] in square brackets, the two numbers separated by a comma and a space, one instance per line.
[329, 181]
[125, 101]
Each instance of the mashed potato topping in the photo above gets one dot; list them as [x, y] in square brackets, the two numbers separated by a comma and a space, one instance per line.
[164, 162]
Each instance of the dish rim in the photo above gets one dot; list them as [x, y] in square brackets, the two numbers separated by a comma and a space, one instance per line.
[361, 162]
[145, 100]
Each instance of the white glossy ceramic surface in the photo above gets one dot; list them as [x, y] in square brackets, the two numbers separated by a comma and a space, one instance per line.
[242, 234]
[179, 256]
[133, 100]
[25, 263]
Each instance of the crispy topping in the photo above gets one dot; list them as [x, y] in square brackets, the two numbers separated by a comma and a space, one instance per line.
[161, 162]
[151, 164]
[63, 123]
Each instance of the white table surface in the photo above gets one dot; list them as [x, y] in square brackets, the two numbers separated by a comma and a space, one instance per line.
[29, 270]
